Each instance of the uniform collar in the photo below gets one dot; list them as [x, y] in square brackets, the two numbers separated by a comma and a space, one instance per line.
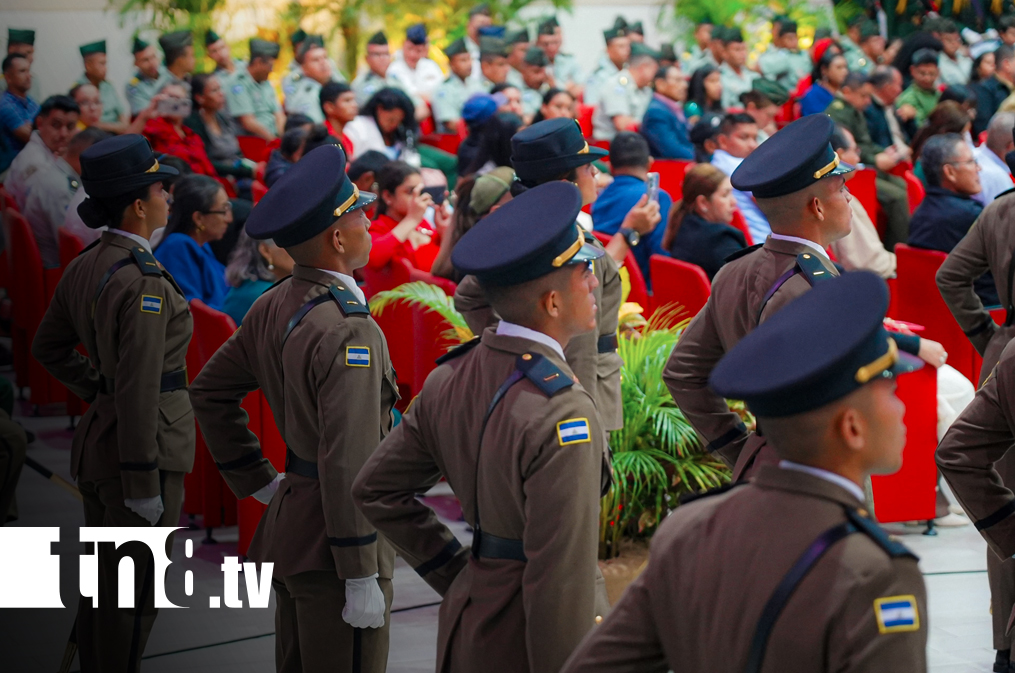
[522, 345]
[836, 479]
[802, 241]
[808, 483]
[327, 278]
[140, 240]
[351, 282]
[509, 329]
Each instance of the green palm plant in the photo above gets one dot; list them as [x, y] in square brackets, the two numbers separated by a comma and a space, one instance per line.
[657, 456]
[430, 297]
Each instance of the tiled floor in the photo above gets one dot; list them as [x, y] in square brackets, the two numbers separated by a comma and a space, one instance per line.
[200, 639]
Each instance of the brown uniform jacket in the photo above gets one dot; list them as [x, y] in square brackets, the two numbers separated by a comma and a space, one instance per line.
[599, 373]
[731, 312]
[331, 410]
[988, 246]
[135, 331]
[716, 562]
[531, 484]
[981, 435]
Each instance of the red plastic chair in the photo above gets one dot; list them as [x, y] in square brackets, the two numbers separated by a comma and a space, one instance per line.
[679, 283]
[447, 142]
[583, 113]
[211, 329]
[740, 222]
[602, 144]
[395, 322]
[914, 190]
[257, 190]
[639, 290]
[253, 147]
[909, 494]
[30, 297]
[919, 301]
[671, 176]
[863, 188]
[428, 332]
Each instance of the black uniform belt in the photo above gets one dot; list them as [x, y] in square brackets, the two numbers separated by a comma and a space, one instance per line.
[607, 343]
[171, 381]
[297, 465]
[489, 546]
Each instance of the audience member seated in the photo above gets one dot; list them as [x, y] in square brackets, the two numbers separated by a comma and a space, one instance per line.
[290, 149]
[995, 175]
[948, 209]
[90, 101]
[964, 96]
[629, 161]
[339, 106]
[201, 212]
[703, 135]
[883, 120]
[254, 266]
[460, 85]
[476, 198]
[738, 137]
[167, 133]
[363, 172]
[947, 117]
[56, 124]
[953, 64]
[17, 109]
[488, 144]
[862, 247]
[922, 94]
[763, 103]
[698, 230]
[401, 230]
[704, 93]
[664, 124]
[557, 103]
[993, 90]
[386, 124]
[829, 73]
[218, 133]
[626, 95]
[509, 99]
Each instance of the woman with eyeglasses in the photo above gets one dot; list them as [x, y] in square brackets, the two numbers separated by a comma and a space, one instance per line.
[201, 213]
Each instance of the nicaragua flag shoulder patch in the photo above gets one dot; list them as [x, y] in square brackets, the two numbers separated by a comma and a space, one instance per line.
[897, 613]
[357, 356]
[151, 304]
[573, 431]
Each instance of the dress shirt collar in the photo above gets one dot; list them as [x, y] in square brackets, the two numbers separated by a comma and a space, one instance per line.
[983, 152]
[836, 479]
[810, 244]
[350, 283]
[505, 328]
[725, 162]
[140, 240]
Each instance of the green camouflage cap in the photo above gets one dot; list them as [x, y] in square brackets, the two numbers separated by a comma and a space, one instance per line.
[139, 45]
[455, 48]
[771, 90]
[536, 56]
[20, 36]
[98, 47]
[211, 37]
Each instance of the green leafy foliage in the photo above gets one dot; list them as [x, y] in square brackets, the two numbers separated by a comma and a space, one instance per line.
[430, 297]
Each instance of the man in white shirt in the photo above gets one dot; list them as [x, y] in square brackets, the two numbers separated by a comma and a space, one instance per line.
[738, 137]
[417, 74]
[480, 17]
[953, 66]
[995, 175]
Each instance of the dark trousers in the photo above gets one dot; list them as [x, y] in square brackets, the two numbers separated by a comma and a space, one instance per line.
[112, 639]
[312, 637]
[13, 445]
[894, 201]
[1001, 573]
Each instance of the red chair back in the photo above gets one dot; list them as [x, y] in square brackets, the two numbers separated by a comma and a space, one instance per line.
[863, 188]
[253, 148]
[679, 283]
[919, 301]
[671, 176]
[740, 222]
[584, 116]
[914, 190]
[395, 322]
[639, 290]
[428, 332]
[257, 190]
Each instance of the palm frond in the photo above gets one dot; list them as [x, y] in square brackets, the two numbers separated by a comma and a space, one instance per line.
[430, 297]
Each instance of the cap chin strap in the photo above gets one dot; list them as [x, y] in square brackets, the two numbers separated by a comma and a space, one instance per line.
[879, 366]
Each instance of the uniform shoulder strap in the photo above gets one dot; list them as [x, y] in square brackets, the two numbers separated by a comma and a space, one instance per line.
[347, 301]
[145, 261]
[741, 253]
[548, 377]
[459, 350]
[811, 268]
[878, 535]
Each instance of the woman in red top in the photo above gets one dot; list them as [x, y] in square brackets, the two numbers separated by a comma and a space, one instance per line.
[168, 135]
[400, 231]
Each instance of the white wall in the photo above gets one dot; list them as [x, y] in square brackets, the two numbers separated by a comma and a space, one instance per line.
[61, 26]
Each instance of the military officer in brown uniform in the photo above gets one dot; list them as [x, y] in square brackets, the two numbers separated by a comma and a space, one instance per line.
[506, 422]
[311, 346]
[787, 574]
[989, 246]
[799, 184]
[136, 440]
[554, 150]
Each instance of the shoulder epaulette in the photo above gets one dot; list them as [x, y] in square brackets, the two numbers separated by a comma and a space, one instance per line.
[879, 536]
[89, 246]
[459, 350]
[741, 253]
[691, 497]
[811, 268]
[548, 377]
[347, 301]
[145, 261]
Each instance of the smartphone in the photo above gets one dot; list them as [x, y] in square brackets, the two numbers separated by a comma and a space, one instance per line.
[173, 107]
[437, 193]
[652, 187]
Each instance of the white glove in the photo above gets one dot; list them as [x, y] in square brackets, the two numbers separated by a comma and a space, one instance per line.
[264, 494]
[146, 508]
[364, 603]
